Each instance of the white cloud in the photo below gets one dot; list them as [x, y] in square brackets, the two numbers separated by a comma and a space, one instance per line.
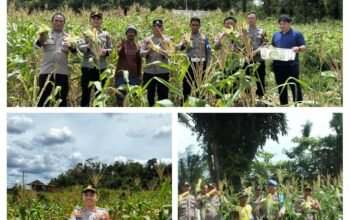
[55, 136]
[18, 124]
[163, 132]
[143, 162]
[120, 159]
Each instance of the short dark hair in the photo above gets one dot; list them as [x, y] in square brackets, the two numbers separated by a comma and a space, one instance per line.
[230, 18]
[285, 18]
[58, 14]
[195, 19]
[252, 13]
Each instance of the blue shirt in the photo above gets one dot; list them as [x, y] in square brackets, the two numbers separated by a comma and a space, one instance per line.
[292, 38]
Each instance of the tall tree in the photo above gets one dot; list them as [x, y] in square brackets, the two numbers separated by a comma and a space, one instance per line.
[318, 156]
[230, 141]
[191, 166]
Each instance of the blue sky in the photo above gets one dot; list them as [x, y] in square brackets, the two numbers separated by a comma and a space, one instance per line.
[320, 120]
[47, 144]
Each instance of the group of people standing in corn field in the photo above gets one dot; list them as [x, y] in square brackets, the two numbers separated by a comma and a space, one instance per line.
[211, 204]
[156, 49]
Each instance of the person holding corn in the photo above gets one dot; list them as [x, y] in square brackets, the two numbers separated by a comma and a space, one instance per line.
[228, 39]
[54, 66]
[258, 39]
[243, 210]
[307, 205]
[89, 209]
[129, 60]
[156, 48]
[95, 46]
[272, 205]
[198, 51]
[212, 202]
[187, 203]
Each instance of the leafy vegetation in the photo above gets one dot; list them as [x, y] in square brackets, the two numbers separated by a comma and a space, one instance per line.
[137, 193]
[232, 156]
[321, 65]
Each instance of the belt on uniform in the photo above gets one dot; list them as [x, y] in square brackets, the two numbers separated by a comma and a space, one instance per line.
[196, 59]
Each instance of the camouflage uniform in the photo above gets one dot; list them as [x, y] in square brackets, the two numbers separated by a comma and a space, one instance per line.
[187, 208]
[96, 214]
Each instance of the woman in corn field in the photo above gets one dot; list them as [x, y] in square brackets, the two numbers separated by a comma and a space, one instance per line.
[89, 210]
[96, 46]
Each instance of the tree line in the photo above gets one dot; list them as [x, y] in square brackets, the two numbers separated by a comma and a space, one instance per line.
[119, 175]
[301, 10]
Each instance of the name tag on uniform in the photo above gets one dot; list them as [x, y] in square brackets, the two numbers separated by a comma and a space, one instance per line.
[196, 59]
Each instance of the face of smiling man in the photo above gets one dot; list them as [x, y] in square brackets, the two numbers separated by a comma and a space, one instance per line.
[90, 199]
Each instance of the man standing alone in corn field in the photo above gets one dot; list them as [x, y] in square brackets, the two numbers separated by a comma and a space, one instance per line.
[198, 51]
[258, 40]
[95, 46]
[187, 204]
[156, 48]
[288, 38]
[307, 205]
[54, 67]
[90, 210]
[272, 205]
[130, 60]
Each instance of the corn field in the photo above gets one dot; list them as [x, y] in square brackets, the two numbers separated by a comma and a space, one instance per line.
[327, 190]
[154, 203]
[321, 66]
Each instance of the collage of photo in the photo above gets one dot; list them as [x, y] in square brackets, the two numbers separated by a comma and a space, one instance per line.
[174, 110]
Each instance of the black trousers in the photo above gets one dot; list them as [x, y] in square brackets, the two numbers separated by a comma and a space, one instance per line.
[155, 86]
[56, 79]
[260, 75]
[191, 77]
[89, 75]
[282, 73]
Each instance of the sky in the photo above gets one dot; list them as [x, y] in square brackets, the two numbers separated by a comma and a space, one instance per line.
[43, 145]
[295, 120]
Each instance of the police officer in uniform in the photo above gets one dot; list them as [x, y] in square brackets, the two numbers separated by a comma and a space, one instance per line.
[277, 200]
[187, 203]
[54, 66]
[91, 71]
